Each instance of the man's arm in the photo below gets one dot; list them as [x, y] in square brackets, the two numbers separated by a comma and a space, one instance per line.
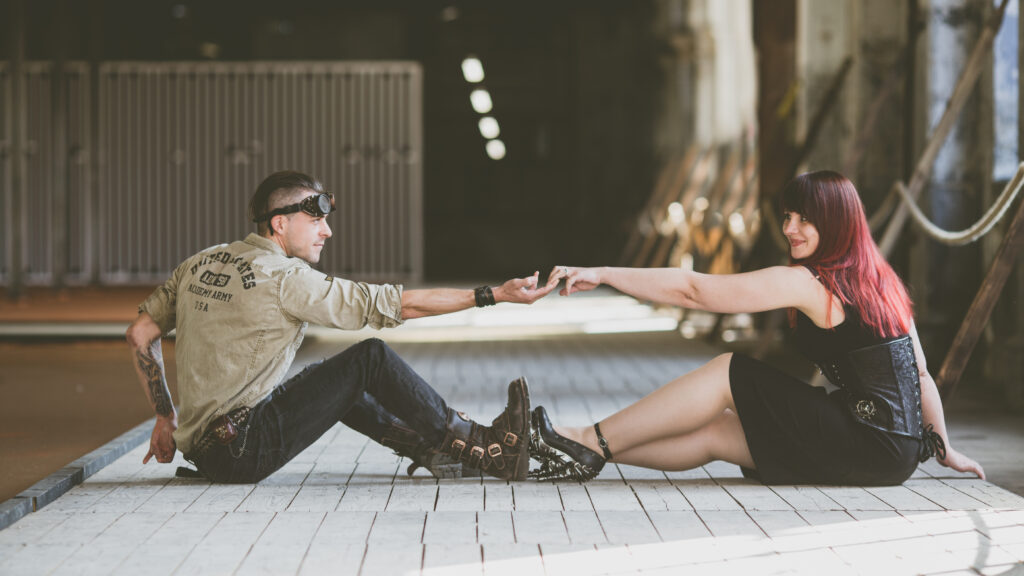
[147, 356]
[434, 301]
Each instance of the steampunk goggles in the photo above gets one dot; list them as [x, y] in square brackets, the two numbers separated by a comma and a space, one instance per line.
[317, 206]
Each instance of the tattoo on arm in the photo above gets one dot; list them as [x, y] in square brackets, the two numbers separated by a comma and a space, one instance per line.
[151, 363]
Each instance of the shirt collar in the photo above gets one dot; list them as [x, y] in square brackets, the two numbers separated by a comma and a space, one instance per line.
[258, 241]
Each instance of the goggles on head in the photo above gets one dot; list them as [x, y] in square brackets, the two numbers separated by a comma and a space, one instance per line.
[317, 206]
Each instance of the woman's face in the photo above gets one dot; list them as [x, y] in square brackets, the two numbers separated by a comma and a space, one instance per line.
[802, 235]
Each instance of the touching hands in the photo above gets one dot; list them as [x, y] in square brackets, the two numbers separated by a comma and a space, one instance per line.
[961, 463]
[161, 442]
[524, 290]
[576, 279]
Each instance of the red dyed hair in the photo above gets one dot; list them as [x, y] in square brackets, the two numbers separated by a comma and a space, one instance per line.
[847, 259]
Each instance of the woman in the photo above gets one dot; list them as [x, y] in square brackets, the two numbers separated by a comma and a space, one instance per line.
[852, 317]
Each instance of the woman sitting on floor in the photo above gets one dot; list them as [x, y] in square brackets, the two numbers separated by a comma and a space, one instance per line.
[852, 317]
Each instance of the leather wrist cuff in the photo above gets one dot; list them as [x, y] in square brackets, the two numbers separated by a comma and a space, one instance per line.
[483, 296]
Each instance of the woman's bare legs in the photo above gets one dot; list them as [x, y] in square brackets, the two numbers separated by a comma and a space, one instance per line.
[690, 410]
[721, 439]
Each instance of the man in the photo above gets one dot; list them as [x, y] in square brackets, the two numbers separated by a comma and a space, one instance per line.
[241, 311]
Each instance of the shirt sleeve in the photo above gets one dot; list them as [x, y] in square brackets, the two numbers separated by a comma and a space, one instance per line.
[162, 304]
[312, 296]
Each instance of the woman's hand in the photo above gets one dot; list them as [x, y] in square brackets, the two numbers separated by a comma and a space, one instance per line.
[961, 463]
[576, 279]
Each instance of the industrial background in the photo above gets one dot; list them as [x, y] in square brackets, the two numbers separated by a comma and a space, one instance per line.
[479, 140]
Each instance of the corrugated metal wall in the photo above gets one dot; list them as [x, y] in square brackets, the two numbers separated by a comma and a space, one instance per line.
[182, 146]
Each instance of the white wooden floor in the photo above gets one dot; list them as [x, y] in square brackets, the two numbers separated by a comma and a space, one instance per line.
[345, 506]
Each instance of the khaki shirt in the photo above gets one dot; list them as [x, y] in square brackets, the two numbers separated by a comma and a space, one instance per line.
[241, 311]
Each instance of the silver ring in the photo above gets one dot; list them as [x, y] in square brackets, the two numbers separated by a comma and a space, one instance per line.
[565, 270]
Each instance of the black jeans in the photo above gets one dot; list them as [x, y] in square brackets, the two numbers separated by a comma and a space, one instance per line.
[368, 387]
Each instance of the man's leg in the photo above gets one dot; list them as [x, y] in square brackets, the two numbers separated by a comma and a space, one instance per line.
[305, 407]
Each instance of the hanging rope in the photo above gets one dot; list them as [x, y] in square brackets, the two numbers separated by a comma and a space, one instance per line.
[976, 230]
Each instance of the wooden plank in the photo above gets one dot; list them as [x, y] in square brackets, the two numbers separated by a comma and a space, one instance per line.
[398, 527]
[32, 528]
[452, 560]
[317, 498]
[460, 496]
[226, 545]
[365, 497]
[676, 525]
[339, 544]
[806, 498]
[39, 558]
[756, 497]
[573, 559]
[902, 498]
[450, 528]
[993, 496]
[269, 498]
[412, 497]
[612, 496]
[658, 496]
[498, 497]
[495, 527]
[853, 498]
[393, 558]
[175, 496]
[777, 523]
[220, 498]
[583, 527]
[81, 528]
[508, 559]
[282, 546]
[535, 526]
[705, 495]
[944, 495]
[575, 496]
[164, 550]
[536, 496]
[730, 523]
[627, 527]
[125, 498]
[102, 555]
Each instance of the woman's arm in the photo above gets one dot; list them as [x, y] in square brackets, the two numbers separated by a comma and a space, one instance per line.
[758, 291]
[933, 415]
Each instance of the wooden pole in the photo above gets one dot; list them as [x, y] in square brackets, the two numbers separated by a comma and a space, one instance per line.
[980, 310]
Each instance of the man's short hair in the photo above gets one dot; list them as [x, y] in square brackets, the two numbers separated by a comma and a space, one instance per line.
[278, 190]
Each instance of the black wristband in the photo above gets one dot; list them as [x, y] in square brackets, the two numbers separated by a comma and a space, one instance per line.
[483, 296]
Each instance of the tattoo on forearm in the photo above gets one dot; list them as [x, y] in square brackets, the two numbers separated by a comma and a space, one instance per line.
[151, 364]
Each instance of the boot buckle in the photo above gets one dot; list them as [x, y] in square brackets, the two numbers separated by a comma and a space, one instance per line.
[494, 450]
[511, 439]
[458, 446]
[476, 454]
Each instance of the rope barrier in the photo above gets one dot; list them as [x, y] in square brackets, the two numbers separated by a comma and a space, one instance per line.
[971, 234]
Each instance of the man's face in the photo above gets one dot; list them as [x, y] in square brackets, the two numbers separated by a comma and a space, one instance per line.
[303, 235]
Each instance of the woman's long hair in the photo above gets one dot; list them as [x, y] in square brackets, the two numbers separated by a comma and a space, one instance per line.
[847, 258]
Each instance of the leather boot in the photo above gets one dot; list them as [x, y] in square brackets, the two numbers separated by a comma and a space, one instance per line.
[408, 444]
[501, 449]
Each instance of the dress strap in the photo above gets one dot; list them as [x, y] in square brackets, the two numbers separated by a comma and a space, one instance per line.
[813, 272]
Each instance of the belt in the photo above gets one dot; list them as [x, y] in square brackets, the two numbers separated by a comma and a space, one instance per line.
[223, 430]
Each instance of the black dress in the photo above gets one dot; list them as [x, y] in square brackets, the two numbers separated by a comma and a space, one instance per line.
[799, 434]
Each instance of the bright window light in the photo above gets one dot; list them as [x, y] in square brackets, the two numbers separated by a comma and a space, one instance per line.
[481, 100]
[489, 127]
[496, 149]
[472, 70]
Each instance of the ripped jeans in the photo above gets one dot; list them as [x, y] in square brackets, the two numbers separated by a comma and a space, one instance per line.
[367, 387]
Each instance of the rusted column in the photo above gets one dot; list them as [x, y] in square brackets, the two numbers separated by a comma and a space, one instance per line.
[946, 278]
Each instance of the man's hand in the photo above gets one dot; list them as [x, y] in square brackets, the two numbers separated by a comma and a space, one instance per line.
[161, 442]
[524, 290]
[576, 279]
